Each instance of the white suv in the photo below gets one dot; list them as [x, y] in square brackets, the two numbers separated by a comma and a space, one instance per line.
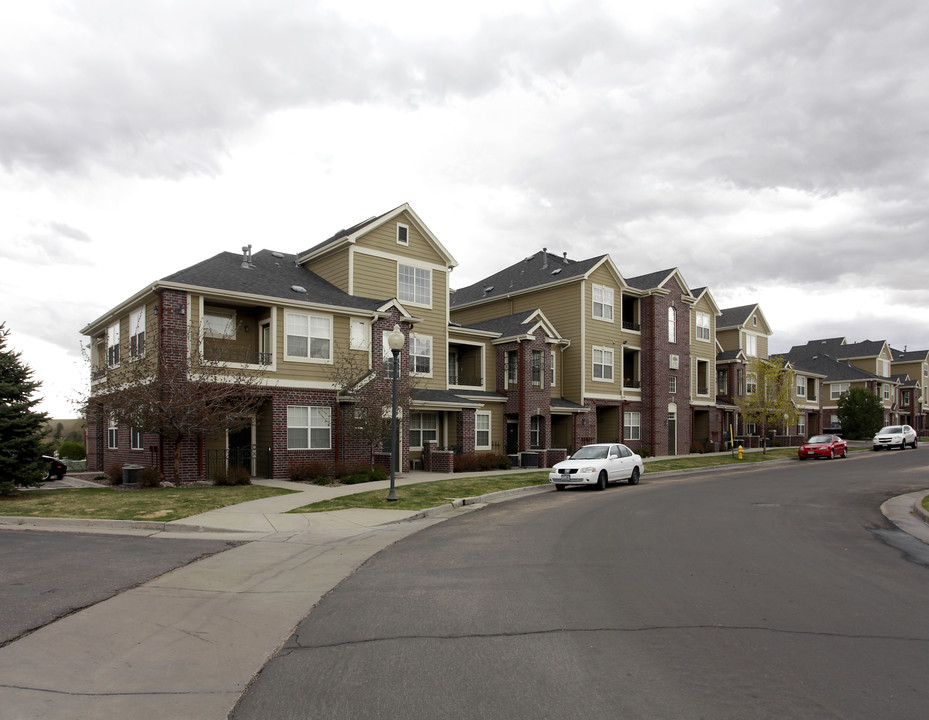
[895, 436]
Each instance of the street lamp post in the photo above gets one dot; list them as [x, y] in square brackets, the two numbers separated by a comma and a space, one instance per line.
[395, 342]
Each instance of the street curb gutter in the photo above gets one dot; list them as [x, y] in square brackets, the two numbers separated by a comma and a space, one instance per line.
[114, 525]
[918, 508]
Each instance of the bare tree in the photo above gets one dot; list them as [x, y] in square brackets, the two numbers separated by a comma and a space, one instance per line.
[369, 393]
[181, 396]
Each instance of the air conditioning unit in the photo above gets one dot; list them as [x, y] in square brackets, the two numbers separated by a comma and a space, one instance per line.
[675, 362]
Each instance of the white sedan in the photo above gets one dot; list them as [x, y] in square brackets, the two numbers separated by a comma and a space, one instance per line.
[895, 436]
[598, 465]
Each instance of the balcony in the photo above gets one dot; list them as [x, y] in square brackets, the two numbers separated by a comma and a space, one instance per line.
[224, 354]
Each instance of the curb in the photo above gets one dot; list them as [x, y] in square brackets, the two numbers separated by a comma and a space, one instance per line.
[115, 525]
[918, 509]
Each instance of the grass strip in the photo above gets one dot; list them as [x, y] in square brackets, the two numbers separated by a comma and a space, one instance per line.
[160, 504]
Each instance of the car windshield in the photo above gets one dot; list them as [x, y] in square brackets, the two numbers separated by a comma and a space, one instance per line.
[590, 452]
[890, 429]
[820, 439]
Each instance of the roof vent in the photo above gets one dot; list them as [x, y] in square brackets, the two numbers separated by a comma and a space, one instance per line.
[564, 257]
[247, 257]
[298, 288]
[488, 289]
[556, 271]
[544, 258]
[277, 254]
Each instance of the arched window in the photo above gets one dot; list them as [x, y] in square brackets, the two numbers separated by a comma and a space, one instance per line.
[672, 325]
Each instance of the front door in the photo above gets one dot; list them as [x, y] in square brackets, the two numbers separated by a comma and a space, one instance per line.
[512, 438]
[240, 449]
[672, 433]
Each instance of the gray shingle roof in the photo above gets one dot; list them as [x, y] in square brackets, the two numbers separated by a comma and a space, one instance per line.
[270, 275]
[822, 364]
[507, 326]
[735, 316]
[537, 270]
[650, 280]
[909, 355]
[346, 232]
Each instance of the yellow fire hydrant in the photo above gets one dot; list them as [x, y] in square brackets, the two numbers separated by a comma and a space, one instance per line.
[741, 452]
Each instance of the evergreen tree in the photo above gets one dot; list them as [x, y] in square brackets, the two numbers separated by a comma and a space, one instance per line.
[860, 413]
[21, 427]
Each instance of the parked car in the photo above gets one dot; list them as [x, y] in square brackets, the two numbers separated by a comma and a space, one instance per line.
[598, 464]
[895, 436]
[825, 446]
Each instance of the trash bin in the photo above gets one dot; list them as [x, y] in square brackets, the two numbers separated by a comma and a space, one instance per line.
[131, 475]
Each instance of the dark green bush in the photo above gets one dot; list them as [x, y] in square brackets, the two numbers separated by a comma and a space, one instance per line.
[363, 476]
[644, 451]
[72, 451]
[315, 471]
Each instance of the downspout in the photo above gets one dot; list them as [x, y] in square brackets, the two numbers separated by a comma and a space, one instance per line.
[521, 390]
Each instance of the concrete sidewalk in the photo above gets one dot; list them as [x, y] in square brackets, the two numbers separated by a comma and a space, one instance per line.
[185, 645]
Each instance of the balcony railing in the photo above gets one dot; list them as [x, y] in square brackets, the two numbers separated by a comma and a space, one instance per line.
[629, 325]
[237, 355]
[630, 383]
[465, 381]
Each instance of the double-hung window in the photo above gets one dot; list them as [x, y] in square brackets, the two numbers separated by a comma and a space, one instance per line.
[137, 334]
[359, 335]
[112, 434]
[421, 354]
[112, 345]
[603, 302]
[538, 368]
[703, 326]
[751, 345]
[535, 431]
[603, 363]
[135, 439]
[482, 431]
[801, 386]
[424, 427]
[309, 427]
[672, 325]
[632, 424]
[414, 284]
[309, 337]
[836, 390]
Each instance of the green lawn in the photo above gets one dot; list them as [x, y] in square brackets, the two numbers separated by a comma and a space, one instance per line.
[162, 504]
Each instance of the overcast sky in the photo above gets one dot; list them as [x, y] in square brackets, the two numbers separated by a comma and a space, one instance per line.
[775, 152]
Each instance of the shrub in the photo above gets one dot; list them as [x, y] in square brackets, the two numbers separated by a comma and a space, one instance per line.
[644, 451]
[477, 462]
[232, 476]
[72, 451]
[363, 476]
[149, 477]
[346, 469]
[114, 473]
[315, 471]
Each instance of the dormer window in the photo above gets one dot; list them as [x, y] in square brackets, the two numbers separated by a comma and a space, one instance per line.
[403, 234]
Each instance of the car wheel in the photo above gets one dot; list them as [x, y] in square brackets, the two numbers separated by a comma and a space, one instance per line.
[634, 478]
[602, 480]
[875, 448]
[844, 452]
[915, 443]
[560, 486]
[802, 458]
[831, 454]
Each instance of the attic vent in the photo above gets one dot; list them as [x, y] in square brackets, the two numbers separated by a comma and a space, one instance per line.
[556, 271]
[488, 289]
[298, 288]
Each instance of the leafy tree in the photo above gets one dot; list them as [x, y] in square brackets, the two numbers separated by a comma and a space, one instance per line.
[21, 427]
[769, 405]
[860, 413]
[180, 396]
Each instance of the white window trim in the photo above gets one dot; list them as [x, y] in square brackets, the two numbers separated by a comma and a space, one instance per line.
[359, 339]
[309, 427]
[414, 339]
[418, 416]
[112, 434]
[554, 371]
[672, 325]
[135, 433]
[112, 340]
[416, 268]
[405, 243]
[604, 292]
[841, 387]
[612, 364]
[706, 325]
[632, 430]
[137, 319]
[309, 337]
[672, 384]
[489, 416]
[751, 339]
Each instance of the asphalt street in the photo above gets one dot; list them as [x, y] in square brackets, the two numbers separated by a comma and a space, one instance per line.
[47, 575]
[774, 592]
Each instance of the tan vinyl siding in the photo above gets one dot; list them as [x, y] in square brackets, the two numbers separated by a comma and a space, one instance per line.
[333, 267]
[728, 339]
[376, 277]
[384, 239]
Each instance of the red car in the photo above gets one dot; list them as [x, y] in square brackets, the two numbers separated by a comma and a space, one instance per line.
[827, 446]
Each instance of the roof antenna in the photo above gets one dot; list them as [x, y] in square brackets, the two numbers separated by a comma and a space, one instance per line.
[544, 258]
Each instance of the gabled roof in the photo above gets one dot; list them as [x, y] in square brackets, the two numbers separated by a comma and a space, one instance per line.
[351, 235]
[730, 356]
[830, 368]
[657, 280]
[269, 274]
[533, 272]
[737, 317]
[518, 325]
[909, 355]
[840, 349]
[700, 292]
